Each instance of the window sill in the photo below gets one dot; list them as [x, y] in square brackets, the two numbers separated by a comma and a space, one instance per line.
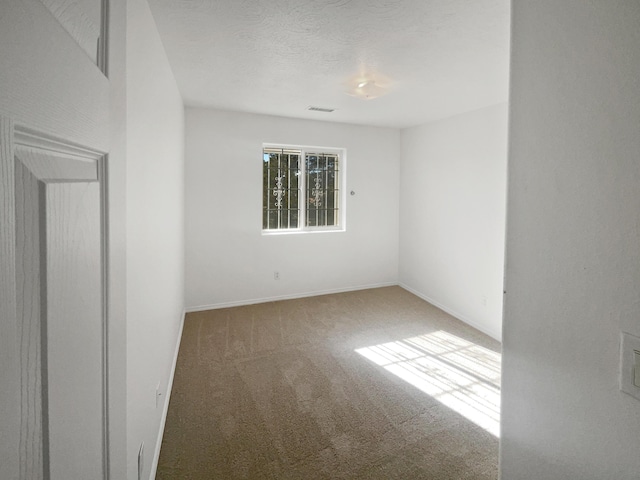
[269, 233]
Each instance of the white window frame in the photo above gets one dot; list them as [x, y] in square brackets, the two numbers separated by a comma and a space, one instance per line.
[302, 211]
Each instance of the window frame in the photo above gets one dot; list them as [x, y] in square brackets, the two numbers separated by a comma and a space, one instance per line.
[302, 190]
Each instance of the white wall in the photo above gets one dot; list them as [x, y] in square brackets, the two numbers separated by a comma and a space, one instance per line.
[573, 237]
[228, 260]
[452, 215]
[155, 247]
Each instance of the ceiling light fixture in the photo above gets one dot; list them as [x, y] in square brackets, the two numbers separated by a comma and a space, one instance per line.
[367, 87]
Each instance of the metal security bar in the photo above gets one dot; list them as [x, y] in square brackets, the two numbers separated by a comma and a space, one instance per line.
[280, 189]
[322, 189]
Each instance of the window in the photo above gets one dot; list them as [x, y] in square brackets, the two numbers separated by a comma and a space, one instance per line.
[301, 189]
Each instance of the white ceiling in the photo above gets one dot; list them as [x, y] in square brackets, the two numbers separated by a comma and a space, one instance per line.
[278, 57]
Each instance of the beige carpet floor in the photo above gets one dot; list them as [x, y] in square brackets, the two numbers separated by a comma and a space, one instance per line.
[370, 384]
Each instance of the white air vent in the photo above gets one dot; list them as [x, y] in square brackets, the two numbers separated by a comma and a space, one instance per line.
[321, 109]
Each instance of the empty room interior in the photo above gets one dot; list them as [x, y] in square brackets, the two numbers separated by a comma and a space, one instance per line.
[273, 239]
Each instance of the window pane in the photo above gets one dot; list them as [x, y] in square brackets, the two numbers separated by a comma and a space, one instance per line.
[280, 183]
[321, 189]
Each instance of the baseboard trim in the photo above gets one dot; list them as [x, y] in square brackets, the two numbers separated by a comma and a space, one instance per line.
[241, 303]
[451, 312]
[165, 409]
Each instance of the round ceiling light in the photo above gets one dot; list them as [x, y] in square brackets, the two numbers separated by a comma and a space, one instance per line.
[367, 87]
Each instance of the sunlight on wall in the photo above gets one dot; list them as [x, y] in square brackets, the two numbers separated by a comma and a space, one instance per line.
[459, 374]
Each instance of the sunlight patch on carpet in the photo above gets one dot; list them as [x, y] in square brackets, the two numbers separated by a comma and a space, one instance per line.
[459, 374]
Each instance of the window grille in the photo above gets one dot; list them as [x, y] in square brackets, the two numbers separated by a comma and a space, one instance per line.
[322, 172]
[300, 194]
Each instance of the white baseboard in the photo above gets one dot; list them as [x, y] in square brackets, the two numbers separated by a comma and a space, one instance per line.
[316, 293]
[452, 312]
[165, 409]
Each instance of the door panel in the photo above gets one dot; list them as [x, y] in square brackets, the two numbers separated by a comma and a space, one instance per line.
[74, 330]
[82, 19]
[29, 314]
[60, 310]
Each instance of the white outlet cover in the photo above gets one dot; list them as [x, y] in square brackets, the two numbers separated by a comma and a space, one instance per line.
[629, 348]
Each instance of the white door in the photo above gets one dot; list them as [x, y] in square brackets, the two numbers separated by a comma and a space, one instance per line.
[54, 135]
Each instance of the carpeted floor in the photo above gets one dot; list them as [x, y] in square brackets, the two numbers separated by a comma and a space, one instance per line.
[318, 388]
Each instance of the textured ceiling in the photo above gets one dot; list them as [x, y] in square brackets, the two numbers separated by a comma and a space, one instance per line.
[439, 57]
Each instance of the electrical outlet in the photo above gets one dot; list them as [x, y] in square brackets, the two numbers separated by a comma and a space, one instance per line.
[140, 461]
[276, 275]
